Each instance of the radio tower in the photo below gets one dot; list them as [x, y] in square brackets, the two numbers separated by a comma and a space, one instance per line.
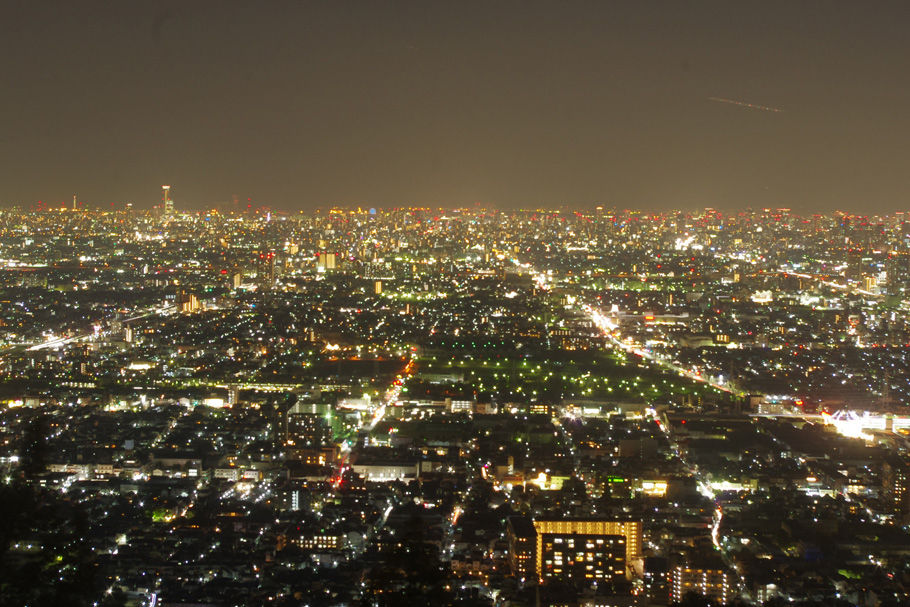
[167, 209]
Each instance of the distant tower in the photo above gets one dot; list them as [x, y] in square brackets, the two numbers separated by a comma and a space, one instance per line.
[886, 388]
[74, 202]
[167, 209]
[270, 271]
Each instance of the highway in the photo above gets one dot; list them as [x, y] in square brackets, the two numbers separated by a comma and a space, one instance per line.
[609, 329]
[63, 341]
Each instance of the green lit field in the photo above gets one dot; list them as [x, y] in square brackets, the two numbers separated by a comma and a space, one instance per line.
[550, 375]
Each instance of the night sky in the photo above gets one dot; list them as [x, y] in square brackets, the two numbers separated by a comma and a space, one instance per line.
[513, 104]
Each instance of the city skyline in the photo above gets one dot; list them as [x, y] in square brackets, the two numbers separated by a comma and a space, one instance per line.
[239, 205]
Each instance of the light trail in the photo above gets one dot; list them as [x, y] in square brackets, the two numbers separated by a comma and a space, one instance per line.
[833, 285]
[63, 341]
[715, 529]
[746, 104]
[608, 328]
[389, 399]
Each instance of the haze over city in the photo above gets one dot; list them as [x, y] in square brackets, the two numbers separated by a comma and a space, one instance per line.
[300, 105]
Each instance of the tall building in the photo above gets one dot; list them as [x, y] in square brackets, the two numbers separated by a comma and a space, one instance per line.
[167, 205]
[307, 430]
[187, 302]
[897, 269]
[711, 582]
[270, 269]
[895, 478]
[657, 580]
[326, 262]
[522, 538]
[307, 425]
[233, 394]
[587, 550]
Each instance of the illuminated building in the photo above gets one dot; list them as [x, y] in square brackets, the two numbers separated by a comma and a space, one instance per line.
[167, 205]
[894, 484]
[270, 268]
[540, 409]
[307, 430]
[457, 406]
[326, 262]
[656, 488]
[522, 538]
[711, 582]
[187, 303]
[312, 541]
[379, 471]
[656, 579]
[233, 394]
[587, 549]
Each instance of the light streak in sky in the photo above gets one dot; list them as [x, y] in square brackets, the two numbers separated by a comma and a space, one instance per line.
[751, 106]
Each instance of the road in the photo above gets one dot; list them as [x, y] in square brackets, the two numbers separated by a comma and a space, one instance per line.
[827, 283]
[62, 341]
[609, 328]
[704, 488]
[378, 413]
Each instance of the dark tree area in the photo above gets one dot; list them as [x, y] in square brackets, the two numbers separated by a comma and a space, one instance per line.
[45, 559]
[34, 446]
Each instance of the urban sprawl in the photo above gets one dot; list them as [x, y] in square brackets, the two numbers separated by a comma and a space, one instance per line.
[467, 407]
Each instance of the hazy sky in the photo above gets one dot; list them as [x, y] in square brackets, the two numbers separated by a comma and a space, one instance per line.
[301, 105]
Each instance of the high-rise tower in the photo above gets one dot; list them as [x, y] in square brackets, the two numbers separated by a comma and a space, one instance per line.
[167, 206]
